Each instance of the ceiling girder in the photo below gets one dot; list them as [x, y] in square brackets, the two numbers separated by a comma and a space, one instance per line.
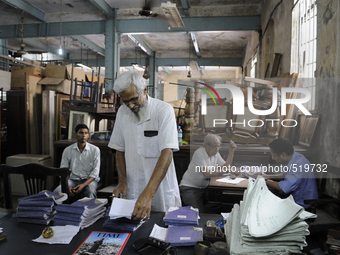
[94, 47]
[171, 61]
[141, 44]
[196, 24]
[185, 7]
[103, 6]
[44, 46]
[30, 9]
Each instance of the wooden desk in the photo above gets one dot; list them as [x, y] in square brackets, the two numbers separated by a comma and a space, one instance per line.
[226, 193]
[20, 235]
[246, 154]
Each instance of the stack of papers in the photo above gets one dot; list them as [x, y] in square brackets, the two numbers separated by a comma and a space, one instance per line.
[235, 181]
[181, 216]
[61, 235]
[266, 224]
[2, 235]
[121, 208]
[120, 216]
[122, 223]
[82, 213]
[178, 235]
[38, 208]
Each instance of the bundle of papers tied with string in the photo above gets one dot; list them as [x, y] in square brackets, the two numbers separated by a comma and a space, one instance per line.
[38, 208]
[82, 213]
[181, 216]
[266, 224]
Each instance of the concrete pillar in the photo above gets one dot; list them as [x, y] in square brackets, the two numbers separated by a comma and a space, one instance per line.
[112, 51]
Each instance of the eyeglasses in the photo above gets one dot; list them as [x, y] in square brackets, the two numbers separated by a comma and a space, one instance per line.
[215, 147]
[133, 100]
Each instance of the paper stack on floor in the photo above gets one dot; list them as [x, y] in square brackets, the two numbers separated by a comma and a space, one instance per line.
[120, 216]
[265, 223]
[82, 213]
[38, 208]
[181, 216]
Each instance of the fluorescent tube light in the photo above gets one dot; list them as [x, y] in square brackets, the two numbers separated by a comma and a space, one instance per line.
[83, 65]
[172, 15]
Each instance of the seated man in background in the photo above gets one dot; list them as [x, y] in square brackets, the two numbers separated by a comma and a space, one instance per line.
[298, 178]
[203, 166]
[83, 159]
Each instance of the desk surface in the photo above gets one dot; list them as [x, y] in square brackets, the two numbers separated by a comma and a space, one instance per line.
[20, 235]
[215, 184]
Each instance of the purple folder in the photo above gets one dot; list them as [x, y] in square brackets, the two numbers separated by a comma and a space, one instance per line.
[184, 235]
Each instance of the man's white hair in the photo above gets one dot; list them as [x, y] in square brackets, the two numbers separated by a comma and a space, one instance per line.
[209, 138]
[124, 81]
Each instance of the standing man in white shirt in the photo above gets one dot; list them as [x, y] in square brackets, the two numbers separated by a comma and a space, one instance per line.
[83, 159]
[144, 137]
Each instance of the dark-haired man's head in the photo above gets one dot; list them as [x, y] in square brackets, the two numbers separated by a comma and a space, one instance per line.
[80, 126]
[82, 133]
[281, 150]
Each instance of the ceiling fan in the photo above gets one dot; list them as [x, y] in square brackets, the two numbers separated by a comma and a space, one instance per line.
[146, 11]
[22, 45]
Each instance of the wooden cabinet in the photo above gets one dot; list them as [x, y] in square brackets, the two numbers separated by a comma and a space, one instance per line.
[16, 123]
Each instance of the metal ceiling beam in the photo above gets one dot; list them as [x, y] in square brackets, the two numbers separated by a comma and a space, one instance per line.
[171, 61]
[24, 6]
[185, 7]
[103, 6]
[192, 24]
[195, 24]
[94, 47]
[45, 47]
[141, 44]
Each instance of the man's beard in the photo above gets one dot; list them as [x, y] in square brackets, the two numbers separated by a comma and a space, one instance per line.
[142, 110]
[136, 113]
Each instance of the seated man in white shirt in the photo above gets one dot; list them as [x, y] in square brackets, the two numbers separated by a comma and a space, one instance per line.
[195, 181]
[83, 159]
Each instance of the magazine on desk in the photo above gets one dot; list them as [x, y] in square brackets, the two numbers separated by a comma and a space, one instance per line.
[99, 242]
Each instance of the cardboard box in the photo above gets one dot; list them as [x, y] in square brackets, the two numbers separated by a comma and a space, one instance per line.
[64, 72]
[55, 71]
[58, 78]
[18, 75]
[89, 78]
[5, 78]
[57, 84]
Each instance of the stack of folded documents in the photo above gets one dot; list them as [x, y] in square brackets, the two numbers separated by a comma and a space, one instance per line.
[120, 216]
[181, 216]
[82, 213]
[178, 235]
[266, 224]
[38, 208]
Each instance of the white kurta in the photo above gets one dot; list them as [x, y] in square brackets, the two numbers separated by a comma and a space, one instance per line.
[142, 141]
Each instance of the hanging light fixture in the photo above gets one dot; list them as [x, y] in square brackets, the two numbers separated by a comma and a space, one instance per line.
[22, 50]
[60, 45]
[81, 64]
[146, 74]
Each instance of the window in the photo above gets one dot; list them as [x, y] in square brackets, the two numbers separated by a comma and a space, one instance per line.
[303, 51]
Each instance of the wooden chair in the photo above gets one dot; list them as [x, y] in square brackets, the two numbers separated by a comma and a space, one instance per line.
[35, 176]
[324, 221]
